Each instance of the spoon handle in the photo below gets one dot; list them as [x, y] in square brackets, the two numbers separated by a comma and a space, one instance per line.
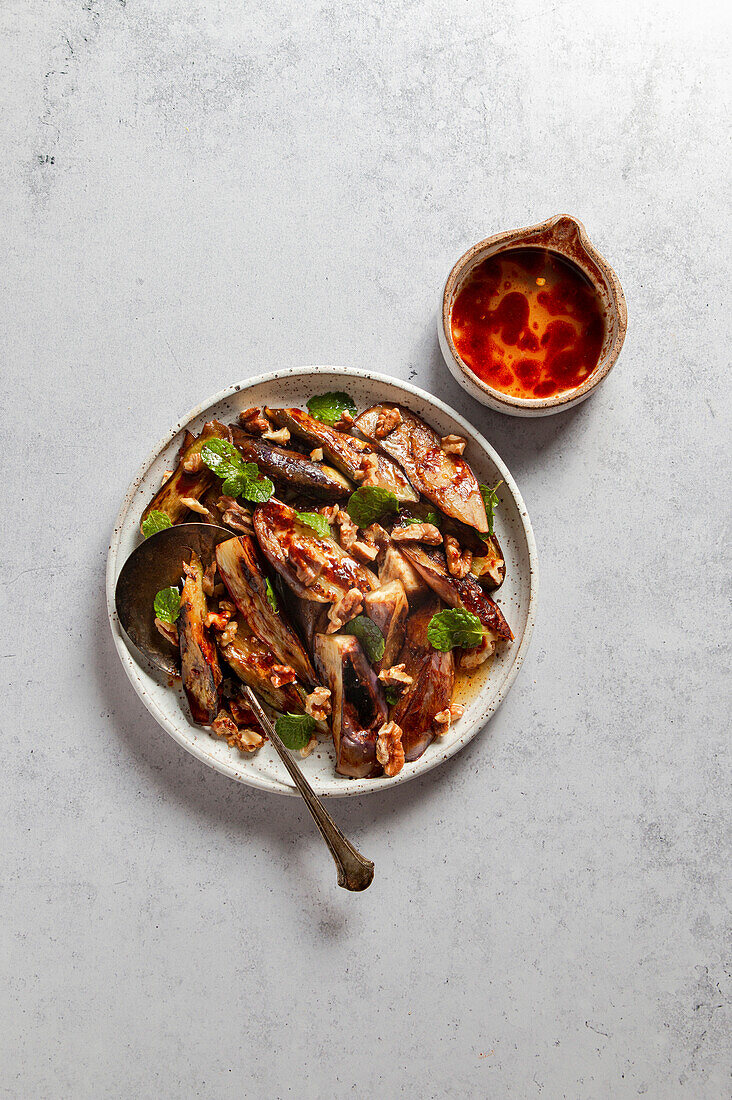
[355, 872]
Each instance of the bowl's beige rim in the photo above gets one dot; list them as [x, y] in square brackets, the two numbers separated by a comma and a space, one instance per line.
[340, 786]
[522, 406]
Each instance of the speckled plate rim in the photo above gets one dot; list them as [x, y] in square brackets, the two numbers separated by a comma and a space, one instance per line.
[495, 692]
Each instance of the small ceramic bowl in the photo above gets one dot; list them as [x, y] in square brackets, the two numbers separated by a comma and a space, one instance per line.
[568, 238]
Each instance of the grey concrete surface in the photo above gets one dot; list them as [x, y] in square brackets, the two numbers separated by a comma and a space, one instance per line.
[195, 192]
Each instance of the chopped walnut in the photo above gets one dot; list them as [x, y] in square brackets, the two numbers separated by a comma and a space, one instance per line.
[348, 529]
[363, 552]
[219, 620]
[317, 703]
[458, 561]
[168, 630]
[396, 676]
[167, 474]
[281, 675]
[329, 511]
[376, 535]
[307, 563]
[345, 609]
[442, 721]
[196, 506]
[345, 421]
[317, 454]
[282, 435]
[305, 752]
[418, 532]
[209, 578]
[228, 634]
[254, 421]
[246, 740]
[233, 515]
[193, 464]
[453, 444]
[472, 658]
[368, 471]
[388, 420]
[389, 749]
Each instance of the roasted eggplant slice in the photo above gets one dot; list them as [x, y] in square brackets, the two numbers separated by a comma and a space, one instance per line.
[345, 451]
[358, 705]
[445, 479]
[388, 608]
[395, 567]
[199, 664]
[307, 616]
[314, 568]
[241, 570]
[433, 680]
[184, 483]
[252, 662]
[491, 562]
[456, 592]
[291, 470]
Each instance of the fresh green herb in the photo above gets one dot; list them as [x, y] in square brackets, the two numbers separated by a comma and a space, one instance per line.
[431, 517]
[454, 627]
[271, 598]
[317, 522]
[369, 635]
[156, 521]
[329, 407]
[392, 695]
[239, 478]
[370, 503]
[295, 729]
[491, 501]
[167, 604]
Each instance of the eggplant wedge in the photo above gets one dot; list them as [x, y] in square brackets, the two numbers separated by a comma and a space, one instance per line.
[358, 705]
[183, 483]
[457, 592]
[395, 567]
[199, 664]
[307, 616]
[433, 680]
[241, 570]
[388, 608]
[314, 568]
[252, 662]
[345, 451]
[491, 562]
[291, 470]
[445, 479]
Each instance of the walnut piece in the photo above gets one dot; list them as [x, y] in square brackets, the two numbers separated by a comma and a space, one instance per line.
[233, 515]
[317, 703]
[193, 464]
[281, 675]
[345, 421]
[363, 552]
[305, 752]
[458, 561]
[418, 532]
[196, 506]
[307, 563]
[209, 578]
[396, 676]
[254, 421]
[388, 420]
[329, 511]
[228, 634]
[282, 435]
[246, 740]
[368, 471]
[442, 721]
[345, 609]
[168, 630]
[167, 474]
[376, 535]
[472, 658]
[348, 529]
[389, 749]
[317, 454]
[453, 444]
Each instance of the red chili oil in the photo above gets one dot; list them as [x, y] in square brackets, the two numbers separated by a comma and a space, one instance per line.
[529, 323]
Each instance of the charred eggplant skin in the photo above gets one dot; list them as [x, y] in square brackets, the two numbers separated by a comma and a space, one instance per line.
[357, 701]
[182, 483]
[457, 592]
[345, 451]
[432, 686]
[290, 545]
[291, 470]
[387, 607]
[241, 569]
[199, 663]
[445, 479]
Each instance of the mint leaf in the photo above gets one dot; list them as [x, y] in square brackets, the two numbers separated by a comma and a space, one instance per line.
[295, 729]
[234, 485]
[431, 517]
[329, 407]
[222, 458]
[369, 635]
[156, 521]
[317, 522]
[239, 478]
[370, 503]
[392, 695]
[257, 490]
[454, 627]
[491, 501]
[271, 598]
[167, 604]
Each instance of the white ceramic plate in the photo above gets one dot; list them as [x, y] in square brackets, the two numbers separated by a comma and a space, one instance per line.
[517, 595]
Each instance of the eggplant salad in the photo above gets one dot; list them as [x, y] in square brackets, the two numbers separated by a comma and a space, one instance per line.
[354, 588]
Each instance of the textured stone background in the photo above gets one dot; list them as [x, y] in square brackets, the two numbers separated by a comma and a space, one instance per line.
[194, 192]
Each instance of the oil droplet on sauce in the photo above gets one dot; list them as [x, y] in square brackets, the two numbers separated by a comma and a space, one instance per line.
[529, 323]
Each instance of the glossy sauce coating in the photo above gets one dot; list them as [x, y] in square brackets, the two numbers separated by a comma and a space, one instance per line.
[529, 323]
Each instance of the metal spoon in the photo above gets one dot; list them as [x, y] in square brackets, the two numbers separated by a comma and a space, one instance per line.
[156, 564]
